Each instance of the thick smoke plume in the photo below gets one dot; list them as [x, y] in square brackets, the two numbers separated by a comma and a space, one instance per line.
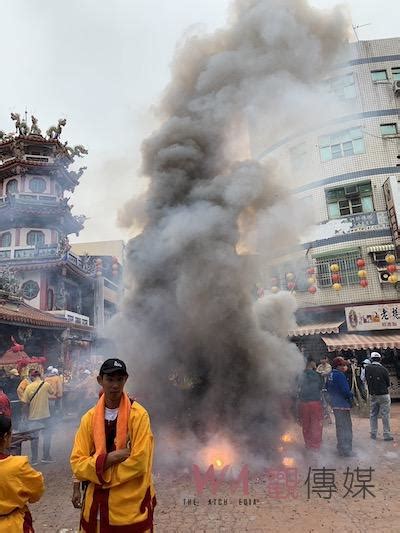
[202, 354]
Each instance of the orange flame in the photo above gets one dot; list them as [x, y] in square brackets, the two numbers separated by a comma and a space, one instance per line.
[288, 462]
[219, 453]
[287, 438]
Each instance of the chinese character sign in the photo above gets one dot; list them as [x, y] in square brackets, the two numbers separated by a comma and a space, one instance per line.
[370, 317]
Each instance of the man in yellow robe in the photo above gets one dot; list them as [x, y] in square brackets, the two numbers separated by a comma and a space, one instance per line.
[37, 409]
[20, 484]
[113, 453]
[57, 385]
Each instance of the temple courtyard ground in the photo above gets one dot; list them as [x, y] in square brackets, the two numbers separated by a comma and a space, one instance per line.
[322, 493]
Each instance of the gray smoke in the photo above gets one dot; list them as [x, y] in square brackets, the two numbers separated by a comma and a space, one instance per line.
[203, 356]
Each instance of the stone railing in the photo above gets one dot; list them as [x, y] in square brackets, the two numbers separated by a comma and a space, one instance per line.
[48, 252]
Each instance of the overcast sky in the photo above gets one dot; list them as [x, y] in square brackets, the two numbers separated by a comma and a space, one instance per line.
[103, 64]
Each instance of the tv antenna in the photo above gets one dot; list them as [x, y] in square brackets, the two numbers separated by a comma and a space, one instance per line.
[357, 26]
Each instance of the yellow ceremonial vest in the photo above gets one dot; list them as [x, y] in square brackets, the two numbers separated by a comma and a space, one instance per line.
[20, 484]
[123, 495]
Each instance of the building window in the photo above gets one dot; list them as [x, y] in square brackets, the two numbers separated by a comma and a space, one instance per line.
[12, 187]
[37, 185]
[30, 289]
[343, 86]
[349, 200]
[388, 129]
[348, 270]
[396, 73]
[5, 240]
[341, 144]
[34, 238]
[379, 75]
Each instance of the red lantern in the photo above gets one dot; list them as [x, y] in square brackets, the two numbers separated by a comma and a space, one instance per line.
[336, 278]
[364, 282]
[360, 263]
[291, 285]
[311, 271]
[312, 289]
[391, 268]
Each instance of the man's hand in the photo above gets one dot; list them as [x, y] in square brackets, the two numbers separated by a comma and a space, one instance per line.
[117, 456]
[76, 496]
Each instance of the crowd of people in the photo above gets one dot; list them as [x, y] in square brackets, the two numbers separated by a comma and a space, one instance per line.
[111, 457]
[331, 386]
[112, 453]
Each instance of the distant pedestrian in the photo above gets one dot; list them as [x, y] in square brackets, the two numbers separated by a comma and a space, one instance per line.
[36, 399]
[324, 368]
[56, 383]
[378, 382]
[24, 383]
[310, 406]
[341, 399]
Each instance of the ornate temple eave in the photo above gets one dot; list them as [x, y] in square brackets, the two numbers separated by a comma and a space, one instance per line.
[32, 317]
[28, 140]
[14, 166]
[24, 214]
[46, 264]
[31, 161]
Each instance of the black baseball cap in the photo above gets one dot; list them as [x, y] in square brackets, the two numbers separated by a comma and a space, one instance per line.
[111, 366]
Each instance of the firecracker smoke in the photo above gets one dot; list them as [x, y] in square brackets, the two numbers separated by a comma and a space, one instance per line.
[204, 358]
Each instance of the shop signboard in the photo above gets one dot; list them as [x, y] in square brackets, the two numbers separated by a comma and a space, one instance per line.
[391, 190]
[373, 317]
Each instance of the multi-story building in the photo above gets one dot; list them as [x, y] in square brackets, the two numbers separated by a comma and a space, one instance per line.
[35, 222]
[344, 169]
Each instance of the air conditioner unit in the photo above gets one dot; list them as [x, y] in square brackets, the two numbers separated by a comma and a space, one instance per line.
[396, 88]
[351, 191]
[383, 276]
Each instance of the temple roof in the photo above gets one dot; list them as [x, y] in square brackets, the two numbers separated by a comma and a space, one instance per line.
[16, 212]
[18, 313]
[14, 166]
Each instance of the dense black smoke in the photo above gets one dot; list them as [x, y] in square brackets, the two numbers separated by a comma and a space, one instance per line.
[203, 355]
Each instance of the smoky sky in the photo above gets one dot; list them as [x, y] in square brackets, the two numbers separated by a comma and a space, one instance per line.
[103, 65]
[205, 356]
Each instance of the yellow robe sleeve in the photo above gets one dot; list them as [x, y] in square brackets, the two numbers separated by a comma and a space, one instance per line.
[83, 459]
[21, 389]
[140, 460]
[32, 484]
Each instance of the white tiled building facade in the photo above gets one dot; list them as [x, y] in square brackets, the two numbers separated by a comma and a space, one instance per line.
[339, 168]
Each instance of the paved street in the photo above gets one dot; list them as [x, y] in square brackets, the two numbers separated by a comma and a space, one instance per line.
[260, 511]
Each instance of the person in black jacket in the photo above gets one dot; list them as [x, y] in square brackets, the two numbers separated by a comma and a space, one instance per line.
[310, 406]
[378, 381]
